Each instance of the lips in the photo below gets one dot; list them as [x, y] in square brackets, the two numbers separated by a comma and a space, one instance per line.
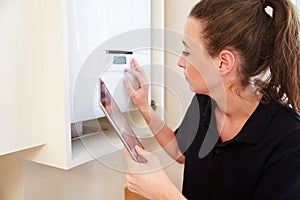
[185, 76]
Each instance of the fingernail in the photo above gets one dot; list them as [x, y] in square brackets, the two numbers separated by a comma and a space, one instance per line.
[137, 147]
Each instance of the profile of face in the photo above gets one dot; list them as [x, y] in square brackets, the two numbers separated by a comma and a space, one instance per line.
[200, 69]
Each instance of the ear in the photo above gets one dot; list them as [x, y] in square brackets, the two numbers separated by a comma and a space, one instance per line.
[227, 60]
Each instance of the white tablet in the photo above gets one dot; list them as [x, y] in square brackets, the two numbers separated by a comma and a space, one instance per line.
[119, 122]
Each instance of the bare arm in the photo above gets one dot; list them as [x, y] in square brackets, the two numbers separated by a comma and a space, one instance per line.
[163, 134]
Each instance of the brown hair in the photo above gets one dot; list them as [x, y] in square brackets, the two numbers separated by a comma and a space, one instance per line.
[265, 42]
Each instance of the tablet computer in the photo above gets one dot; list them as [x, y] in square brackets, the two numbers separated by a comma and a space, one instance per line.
[119, 122]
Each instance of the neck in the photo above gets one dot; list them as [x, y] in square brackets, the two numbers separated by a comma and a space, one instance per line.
[233, 110]
[231, 104]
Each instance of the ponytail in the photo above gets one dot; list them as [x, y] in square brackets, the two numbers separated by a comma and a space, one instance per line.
[266, 42]
[284, 84]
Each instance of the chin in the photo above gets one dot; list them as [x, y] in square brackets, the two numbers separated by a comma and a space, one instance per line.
[195, 90]
[199, 91]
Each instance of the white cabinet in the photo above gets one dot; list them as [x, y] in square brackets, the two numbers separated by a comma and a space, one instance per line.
[22, 121]
[74, 35]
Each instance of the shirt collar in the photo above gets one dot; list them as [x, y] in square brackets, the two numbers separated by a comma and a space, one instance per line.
[255, 127]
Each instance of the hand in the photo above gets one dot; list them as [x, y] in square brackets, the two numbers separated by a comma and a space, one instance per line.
[149, 179]
[139, 96]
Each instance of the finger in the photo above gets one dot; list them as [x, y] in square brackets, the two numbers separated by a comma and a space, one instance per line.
[139, 76]
[137, 66]
[128, 86]
[135, 63]
[146, 154]
[131, 163]
[133, 166]
[153, 162]
[140, 150]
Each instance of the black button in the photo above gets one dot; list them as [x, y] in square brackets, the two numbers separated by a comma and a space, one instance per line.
[217, 151]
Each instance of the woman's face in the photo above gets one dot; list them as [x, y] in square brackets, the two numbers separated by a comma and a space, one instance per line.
[200, 69]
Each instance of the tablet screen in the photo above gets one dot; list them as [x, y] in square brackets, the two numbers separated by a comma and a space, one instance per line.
[119, 122]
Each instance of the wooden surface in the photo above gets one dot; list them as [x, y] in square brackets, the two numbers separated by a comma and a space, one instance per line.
[132, 196]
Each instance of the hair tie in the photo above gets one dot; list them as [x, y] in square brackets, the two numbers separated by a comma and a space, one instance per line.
[267, 7]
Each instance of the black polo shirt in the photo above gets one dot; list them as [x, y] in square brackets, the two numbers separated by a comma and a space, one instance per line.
[261, 162]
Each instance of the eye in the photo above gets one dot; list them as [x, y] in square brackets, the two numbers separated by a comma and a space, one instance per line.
[185, 53]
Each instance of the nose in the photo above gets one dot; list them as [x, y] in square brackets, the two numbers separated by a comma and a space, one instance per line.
[181, 62]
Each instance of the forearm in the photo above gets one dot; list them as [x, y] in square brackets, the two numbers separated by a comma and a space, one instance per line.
[163, 134]
[172, 194]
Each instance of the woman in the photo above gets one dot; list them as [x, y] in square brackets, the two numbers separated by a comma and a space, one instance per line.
[243, 63]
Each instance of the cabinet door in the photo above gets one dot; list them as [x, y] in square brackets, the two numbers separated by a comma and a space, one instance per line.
[21, 76]
[95, 26]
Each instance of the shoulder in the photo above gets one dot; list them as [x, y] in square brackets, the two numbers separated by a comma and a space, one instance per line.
[281, 175]
[286, 116]
[285, 122]
[284, 134]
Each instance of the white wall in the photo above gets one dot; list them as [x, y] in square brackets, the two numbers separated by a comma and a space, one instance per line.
[176, 12]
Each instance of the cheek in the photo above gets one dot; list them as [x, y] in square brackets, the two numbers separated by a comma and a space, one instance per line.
[193, 73]
[196, 81]
[202, 80]
[207, 70]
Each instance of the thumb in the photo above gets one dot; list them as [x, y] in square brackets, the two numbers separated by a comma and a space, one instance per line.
[140, 150]
[144, 153]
